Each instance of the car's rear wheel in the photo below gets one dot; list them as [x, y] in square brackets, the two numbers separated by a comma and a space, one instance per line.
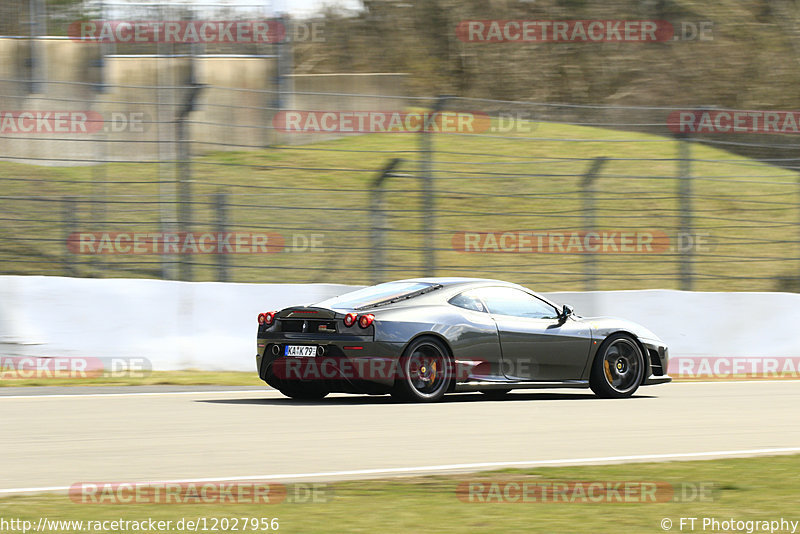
[424, 371]
[618, 367]
[303, 393]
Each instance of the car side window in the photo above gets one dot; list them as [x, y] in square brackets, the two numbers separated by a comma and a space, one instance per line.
[516, 303]
[468, 301]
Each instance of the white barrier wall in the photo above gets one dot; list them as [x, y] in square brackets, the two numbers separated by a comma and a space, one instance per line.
[180, 325]
[704, 324]
[175, 325]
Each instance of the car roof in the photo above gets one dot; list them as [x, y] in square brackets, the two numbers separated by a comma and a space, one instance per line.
[451, 286]
[455, 285]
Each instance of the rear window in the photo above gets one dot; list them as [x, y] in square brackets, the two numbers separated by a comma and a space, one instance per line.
[382, 293]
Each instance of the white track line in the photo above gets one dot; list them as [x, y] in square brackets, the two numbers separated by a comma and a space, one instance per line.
[145, 393]
[439, 468]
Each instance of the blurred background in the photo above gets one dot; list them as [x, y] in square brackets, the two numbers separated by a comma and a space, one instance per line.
[575, 139]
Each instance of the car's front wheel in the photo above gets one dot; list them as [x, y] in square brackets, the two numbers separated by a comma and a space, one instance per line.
[424, 371]
[618, 367]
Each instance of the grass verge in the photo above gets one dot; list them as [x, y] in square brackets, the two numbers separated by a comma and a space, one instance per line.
[751, 489]
[744, 211]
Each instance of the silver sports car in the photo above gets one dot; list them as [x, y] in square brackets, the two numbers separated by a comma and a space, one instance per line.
[419, 339]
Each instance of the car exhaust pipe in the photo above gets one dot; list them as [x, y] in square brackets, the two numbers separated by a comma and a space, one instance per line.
[276, 350]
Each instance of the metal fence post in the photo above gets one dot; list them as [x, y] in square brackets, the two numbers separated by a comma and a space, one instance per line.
[68, 211]
[589, 211]
[283, 81]
[38, 23]
[99, 188]
[428, 193]
[184, 177]
[220, 208]
[165, 100]
[685, 198]
[795, 280]
[379, 223]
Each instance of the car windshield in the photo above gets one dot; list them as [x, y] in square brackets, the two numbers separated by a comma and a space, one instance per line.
[379, 294]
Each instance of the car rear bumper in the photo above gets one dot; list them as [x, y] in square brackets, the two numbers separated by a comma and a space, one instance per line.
[346, 365]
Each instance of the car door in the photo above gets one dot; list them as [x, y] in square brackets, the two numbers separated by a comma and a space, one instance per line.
[535, 342]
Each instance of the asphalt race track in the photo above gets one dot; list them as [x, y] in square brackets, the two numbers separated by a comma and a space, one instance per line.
[52, 438]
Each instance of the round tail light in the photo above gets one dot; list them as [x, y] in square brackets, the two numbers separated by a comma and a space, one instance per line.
[366, 320]
[350, 319]
[261, 317]
[269, 318]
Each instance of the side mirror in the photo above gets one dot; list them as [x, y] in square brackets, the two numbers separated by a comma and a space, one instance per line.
[566, 311]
